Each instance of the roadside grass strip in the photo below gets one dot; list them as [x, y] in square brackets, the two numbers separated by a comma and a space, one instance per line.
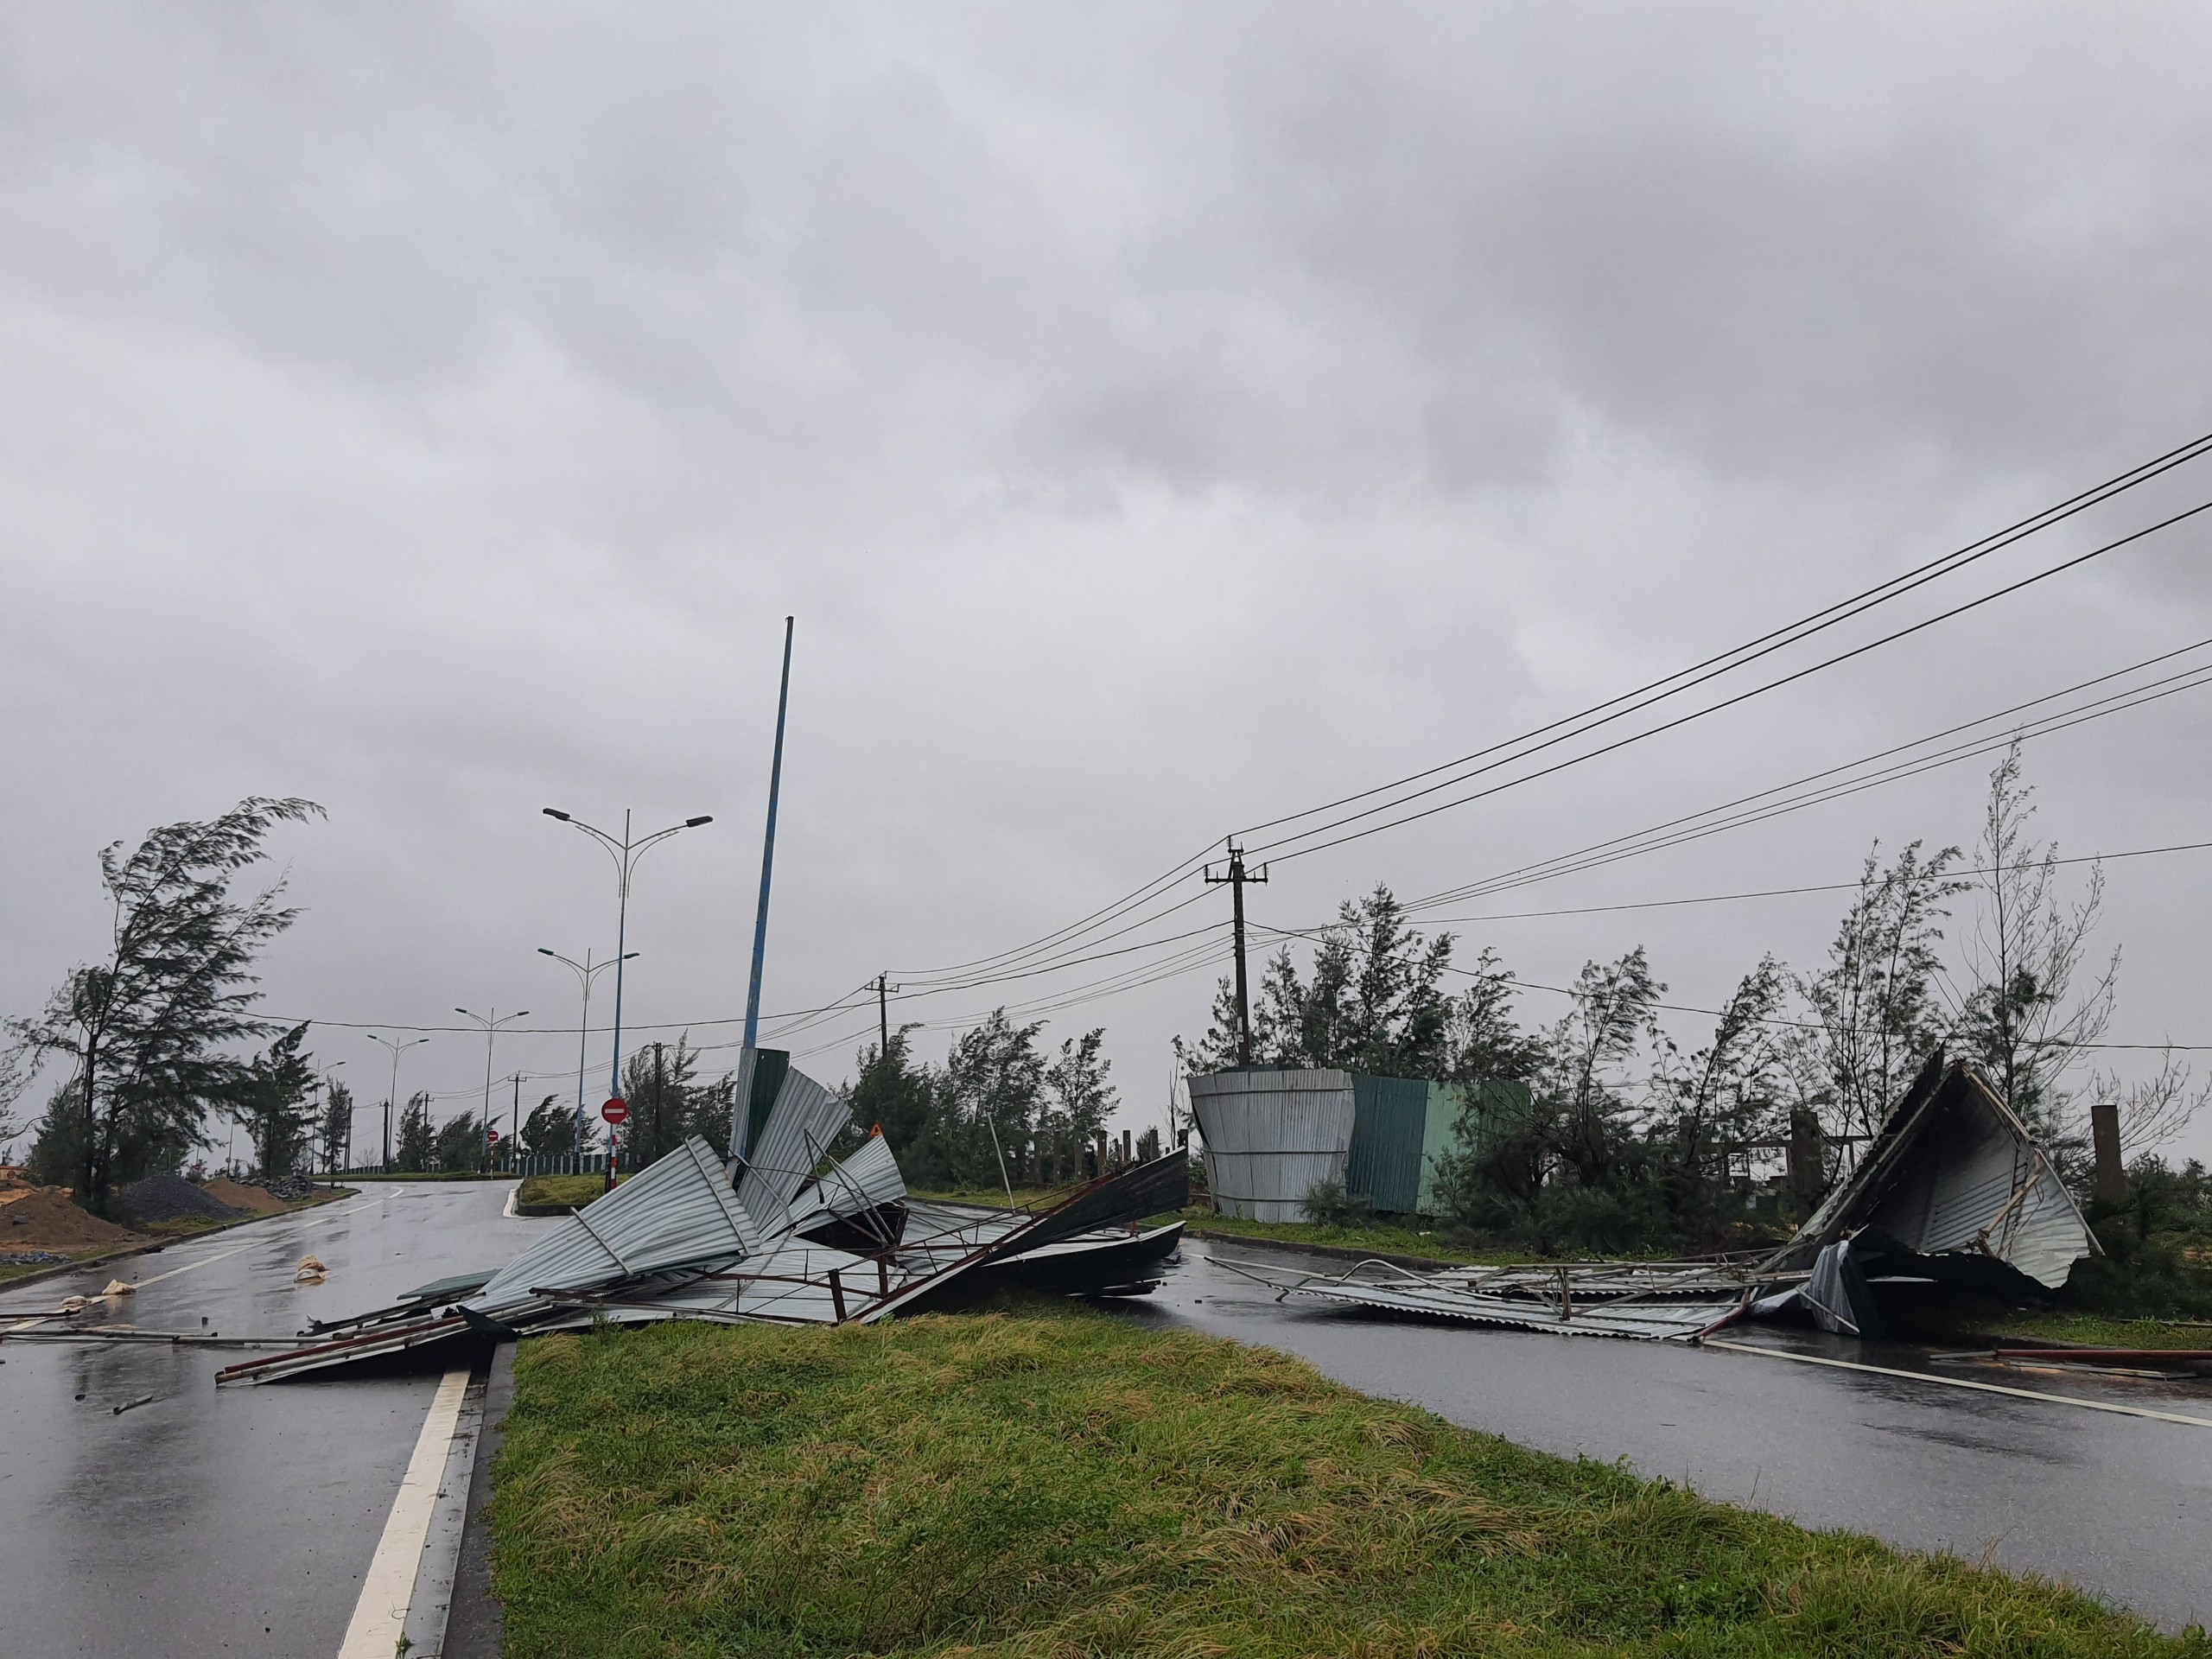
[561, 1191]
[1042, 1480]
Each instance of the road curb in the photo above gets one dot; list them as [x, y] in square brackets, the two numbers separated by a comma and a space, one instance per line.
[473, 1627]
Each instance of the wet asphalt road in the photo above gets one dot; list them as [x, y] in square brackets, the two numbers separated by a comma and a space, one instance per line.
[237, 1521]
[2120, 1506]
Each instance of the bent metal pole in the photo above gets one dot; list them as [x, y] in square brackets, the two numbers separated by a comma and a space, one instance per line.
[740, 1124]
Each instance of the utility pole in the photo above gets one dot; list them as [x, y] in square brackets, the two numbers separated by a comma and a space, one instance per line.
[1236, 877]
[660, 1103]
[882, 1018]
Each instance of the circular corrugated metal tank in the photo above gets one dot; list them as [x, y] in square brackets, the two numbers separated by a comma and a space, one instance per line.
[1271, 1136]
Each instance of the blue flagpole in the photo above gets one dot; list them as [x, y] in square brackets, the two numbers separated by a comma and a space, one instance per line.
[744, 1124]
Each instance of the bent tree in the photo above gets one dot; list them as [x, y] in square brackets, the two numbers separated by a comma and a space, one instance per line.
[145, 1028]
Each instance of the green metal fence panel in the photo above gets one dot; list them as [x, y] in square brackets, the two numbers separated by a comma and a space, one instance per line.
[1389, 1121]
[1445, 1102]
[1492, 1109]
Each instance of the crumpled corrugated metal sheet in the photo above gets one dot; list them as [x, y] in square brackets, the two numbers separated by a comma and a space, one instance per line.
[1956, 1173]
[676, 1241]
[1650, 1301]
[791, 1145]
[676, 1213]
[869, 1180]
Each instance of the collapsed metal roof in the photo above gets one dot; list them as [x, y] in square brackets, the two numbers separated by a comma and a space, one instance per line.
[675, 1213]
[843, 1243]
[1956, 1177]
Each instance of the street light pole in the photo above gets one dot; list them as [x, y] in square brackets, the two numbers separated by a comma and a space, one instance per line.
[585, 973]
[491, 1022]
[625, 852]
[392, 1098]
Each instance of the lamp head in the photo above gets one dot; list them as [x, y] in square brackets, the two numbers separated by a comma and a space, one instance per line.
[542, 951]
[555, 812]
[693, 824]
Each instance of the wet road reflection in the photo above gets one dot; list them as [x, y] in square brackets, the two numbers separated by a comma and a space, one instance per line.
[2120, 1506]
[237, 1521]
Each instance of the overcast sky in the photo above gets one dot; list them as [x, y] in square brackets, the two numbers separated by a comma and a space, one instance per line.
[1159, 419]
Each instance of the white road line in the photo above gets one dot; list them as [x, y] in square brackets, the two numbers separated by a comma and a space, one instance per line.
[1963, 1383]
[222, 1255]
[381, 1613]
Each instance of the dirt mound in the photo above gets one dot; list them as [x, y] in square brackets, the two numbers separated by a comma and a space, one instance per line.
[171, 1197]
[43, 1219]
[257, 1199]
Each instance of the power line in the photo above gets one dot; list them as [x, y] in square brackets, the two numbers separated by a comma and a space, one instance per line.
[1791, 633]
[1655, 840]
[1784, 892]
[1052, 947]
[1696, 715]
[1540, 869]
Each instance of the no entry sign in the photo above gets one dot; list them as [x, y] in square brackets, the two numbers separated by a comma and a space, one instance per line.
[491, 1135]
[615, 1111]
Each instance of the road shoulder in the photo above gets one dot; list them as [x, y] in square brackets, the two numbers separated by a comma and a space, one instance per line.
[472, 1630]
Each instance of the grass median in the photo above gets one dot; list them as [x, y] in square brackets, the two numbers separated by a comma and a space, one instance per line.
[557, 1194]
[1048, 1480]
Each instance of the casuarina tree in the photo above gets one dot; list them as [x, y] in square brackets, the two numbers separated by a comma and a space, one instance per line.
[148, 1029]
[269, 1101]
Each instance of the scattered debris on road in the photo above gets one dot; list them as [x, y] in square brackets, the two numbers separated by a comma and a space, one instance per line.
[797, 1237]
[1953, 1197]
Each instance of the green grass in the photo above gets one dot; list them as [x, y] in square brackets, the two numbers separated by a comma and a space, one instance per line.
[2084, 1329]
[1048, 1480]
[563, 1192]
[1388, 1238]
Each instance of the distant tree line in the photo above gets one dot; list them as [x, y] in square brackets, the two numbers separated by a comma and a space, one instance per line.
[1626, 1142]
[1000, 1100]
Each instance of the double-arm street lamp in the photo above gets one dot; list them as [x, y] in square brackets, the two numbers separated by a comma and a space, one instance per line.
[625, 853]
[397, 1048]
[491, 1022]
[586, 971]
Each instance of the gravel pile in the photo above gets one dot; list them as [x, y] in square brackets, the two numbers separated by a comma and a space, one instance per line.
[30, 1258]
[292, 1189]
[171, 1197]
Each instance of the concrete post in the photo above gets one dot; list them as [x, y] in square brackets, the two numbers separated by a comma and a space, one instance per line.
[2110, 1183]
